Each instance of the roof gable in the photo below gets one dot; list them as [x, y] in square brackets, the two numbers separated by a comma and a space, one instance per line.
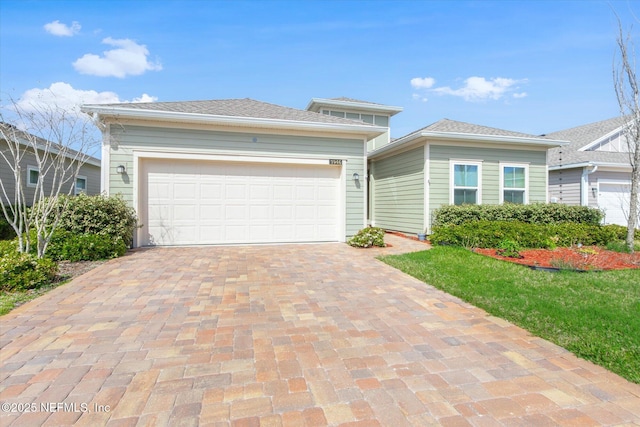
[581, 141]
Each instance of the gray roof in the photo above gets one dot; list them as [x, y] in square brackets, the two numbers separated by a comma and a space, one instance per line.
[582, 136]
[236, 108]
[452, 126]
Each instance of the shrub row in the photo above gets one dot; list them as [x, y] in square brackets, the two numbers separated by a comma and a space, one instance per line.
[536, 213]
[67, 246]
[490, 234]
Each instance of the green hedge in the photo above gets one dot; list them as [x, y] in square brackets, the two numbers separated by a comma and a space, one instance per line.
[490, 234]
[536, 213]
[22, 271]
[68, 246]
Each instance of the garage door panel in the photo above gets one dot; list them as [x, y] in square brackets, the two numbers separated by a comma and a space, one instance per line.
[613, 199]
[201, 202]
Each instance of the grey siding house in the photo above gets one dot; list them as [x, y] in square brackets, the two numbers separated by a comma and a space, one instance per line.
[593, 169]
[87, 181]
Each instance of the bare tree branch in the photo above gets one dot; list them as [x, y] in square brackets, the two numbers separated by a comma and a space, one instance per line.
[628, 95]
[57, 143]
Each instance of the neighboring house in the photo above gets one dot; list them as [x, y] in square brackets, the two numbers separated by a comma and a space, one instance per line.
[453, 163]
[87, 181]
[244, 171]
[593, 170]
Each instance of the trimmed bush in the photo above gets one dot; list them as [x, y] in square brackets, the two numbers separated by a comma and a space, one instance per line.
[22, 271]
[490, 234]
[536, 213]
[368, 237]
[106, 216]
[68, 246]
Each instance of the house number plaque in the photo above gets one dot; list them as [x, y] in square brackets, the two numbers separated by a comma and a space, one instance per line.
[337, 162]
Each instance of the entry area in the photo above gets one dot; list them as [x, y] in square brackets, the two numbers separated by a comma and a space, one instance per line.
[196, 202]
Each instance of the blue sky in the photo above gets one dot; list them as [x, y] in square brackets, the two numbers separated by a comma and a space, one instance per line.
[528, 66]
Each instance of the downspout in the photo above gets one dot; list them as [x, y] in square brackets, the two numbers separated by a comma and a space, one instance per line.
[584, 185]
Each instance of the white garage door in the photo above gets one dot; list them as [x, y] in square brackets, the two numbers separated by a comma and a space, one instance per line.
[205, 202]
[613, 199]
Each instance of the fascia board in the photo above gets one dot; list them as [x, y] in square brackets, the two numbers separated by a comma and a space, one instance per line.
[388, 109]
[355, 129]
[497, 139]
[622, 166]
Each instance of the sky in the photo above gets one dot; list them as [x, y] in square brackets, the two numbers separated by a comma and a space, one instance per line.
[528, 66]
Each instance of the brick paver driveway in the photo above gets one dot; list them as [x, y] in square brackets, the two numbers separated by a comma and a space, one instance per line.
[284, 335]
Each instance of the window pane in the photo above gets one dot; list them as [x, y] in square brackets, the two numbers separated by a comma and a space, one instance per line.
[353, 116]
[461, 197]
[367, 118]
[337, 114]
[465, 175]
[81, 185]
[514, 177]
[381, 120]
[514, 196]
[33, 176]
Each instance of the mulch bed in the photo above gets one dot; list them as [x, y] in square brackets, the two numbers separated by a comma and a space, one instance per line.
[587, 258]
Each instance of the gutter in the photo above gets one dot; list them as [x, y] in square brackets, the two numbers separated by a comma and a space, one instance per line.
[134, 113]
[588, 164]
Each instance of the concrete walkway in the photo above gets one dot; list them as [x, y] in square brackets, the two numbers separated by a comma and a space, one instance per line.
[291, 335]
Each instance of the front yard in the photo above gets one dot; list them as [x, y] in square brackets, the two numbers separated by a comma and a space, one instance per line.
[595, 315]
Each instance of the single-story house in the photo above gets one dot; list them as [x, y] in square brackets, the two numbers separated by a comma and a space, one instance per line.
[87, 181]
[593, 169]
[245, 171]
[236, 171]
[453, 163]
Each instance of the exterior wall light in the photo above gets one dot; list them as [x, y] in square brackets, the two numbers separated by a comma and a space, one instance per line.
[121, 169]
[356, 176]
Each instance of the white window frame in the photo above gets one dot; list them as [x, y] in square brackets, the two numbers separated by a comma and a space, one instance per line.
[525, 166]
[452, 186]
[29, 170]
[75, 186]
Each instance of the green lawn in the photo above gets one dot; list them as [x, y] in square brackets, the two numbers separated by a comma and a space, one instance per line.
[594, 315]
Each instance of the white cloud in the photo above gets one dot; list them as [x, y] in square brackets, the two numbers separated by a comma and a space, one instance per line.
[479, 88]
[128, 58]
[57, 28]
[520, 95]
[423, 82]
[64, 96]
[419, 97]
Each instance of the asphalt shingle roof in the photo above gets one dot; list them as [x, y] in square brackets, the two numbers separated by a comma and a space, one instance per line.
[452, 126]
[238, 108]
[582, 136]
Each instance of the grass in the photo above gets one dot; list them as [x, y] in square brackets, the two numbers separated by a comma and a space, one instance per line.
[11, 300]
[594, 315]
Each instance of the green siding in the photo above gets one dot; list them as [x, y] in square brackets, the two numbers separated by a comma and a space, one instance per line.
[126, 139]
[440, 155]
[398, 191]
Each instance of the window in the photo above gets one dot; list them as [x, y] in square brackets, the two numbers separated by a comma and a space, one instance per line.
[32, 176]
[466, 178]
[514, 184]
[81, 185]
